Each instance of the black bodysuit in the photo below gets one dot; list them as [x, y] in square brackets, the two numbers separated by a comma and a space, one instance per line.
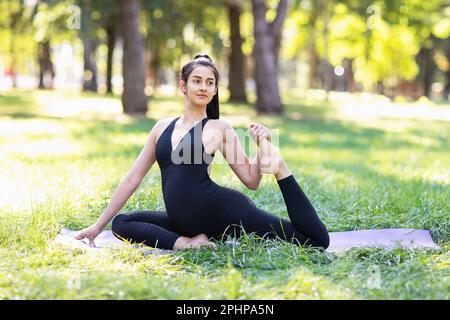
[195, 204]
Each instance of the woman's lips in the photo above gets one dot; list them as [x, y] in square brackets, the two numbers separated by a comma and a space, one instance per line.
[202, 95]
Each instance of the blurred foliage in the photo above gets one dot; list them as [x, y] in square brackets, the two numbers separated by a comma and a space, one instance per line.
[381, 37]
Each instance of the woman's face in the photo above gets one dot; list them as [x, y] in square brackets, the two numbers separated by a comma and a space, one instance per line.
[201, 85]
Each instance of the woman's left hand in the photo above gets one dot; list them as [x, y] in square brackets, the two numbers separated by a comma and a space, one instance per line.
[258, 132]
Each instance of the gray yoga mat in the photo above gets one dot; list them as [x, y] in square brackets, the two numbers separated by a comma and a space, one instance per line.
[388, 238]
[339, 241]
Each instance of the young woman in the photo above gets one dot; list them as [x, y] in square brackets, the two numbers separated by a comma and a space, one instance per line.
[197, 209]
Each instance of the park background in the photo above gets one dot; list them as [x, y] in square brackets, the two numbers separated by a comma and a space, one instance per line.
[356, 90]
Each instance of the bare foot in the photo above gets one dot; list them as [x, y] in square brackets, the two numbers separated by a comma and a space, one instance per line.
[195, 242]
[270, 158]
[271, 161]
[202, 240]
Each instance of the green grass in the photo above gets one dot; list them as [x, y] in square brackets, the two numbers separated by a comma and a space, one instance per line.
[63, 153]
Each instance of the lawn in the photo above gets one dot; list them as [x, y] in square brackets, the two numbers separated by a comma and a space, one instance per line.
[364, 163]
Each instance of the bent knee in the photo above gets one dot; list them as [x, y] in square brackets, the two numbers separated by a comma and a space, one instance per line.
[117, 223]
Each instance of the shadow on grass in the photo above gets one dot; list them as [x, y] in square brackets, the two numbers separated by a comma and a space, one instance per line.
[31, 115]
[9, 104]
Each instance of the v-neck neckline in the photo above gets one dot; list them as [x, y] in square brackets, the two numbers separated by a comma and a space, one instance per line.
[181, 140]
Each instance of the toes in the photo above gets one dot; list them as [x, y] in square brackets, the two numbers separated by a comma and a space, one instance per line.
[200, 243]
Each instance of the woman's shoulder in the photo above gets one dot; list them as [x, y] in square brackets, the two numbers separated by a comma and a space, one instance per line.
[161, 125]
[163, 122]
[220, 124]
[166, 120]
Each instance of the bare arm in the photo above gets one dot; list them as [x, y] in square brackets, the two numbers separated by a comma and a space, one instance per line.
[131, 180]
[247, 171]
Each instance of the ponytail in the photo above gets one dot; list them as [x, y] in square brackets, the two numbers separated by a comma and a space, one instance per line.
[212, 109]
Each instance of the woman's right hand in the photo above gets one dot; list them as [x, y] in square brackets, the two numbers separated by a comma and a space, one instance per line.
[259, 132]
[90, 233]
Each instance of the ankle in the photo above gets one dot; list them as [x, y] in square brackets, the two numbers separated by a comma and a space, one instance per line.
[282, 171]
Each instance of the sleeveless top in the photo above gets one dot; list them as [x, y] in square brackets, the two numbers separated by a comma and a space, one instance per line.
[186, 186]
[189, 151]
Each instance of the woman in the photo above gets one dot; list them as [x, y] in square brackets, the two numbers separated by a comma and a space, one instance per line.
[197, 208]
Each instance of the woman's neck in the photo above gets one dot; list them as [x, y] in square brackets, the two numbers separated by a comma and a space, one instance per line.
[193, 114]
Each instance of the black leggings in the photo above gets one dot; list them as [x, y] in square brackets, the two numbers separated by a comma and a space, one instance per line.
[155, 229]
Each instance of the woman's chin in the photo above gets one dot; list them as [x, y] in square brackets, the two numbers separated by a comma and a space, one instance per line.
[201, 102]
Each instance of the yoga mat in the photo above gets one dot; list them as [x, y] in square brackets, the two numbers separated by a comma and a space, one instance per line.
[388, 238]
[105, 239]
[339, 241]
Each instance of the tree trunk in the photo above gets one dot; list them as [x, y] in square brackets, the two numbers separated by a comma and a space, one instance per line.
[447, 76]
[328, 70]
[90, 67]
[111, 40]
[15, 16]
[327, 75]
[236, 78]
[266, 77]
[313, 57]
[379, 87]
[89, 46]
[313, 62]
[12, 64]
[427, 71]
[349, 78]
[276, 51]
[46, 70]
[134, 100]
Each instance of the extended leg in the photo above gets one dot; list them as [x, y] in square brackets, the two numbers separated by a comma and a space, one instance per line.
[234, 211]
[301, 212]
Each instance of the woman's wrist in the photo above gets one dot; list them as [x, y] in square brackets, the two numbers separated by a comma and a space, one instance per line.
[99, 226]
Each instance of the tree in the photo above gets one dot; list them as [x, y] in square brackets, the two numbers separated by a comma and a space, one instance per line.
[111, 41]
[46, 70]
[176, 31]
[431, 21]
[134, 100]
[41, 22]
[265, 54]
[106, 26]
[14, 21]
[236, 74]
[447, 72]
[90, 46]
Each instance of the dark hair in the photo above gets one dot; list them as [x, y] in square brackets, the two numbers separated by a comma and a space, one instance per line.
[212, 109]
